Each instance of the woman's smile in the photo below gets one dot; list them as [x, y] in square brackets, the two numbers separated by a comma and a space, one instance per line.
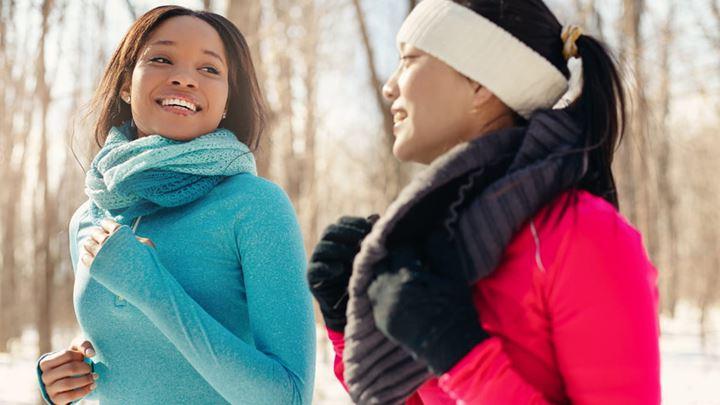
[399, 116]
[183, 105]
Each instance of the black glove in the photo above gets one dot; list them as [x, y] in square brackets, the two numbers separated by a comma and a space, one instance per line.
[421, 301]
[331, 265]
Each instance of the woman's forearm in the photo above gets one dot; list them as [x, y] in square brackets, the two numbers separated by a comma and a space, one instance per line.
[237, 370]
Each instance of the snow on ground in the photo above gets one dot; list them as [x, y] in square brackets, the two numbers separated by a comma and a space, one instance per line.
[690, 375]
[18, 381]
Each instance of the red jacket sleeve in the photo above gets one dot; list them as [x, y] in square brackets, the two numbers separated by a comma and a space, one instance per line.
[486, 376]
[602, 300]
[338, 342]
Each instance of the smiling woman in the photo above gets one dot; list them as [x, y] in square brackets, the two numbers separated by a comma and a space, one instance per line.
[188, 312]
[503, 273]
[187, 58]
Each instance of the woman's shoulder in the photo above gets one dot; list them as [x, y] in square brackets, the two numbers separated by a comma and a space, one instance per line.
[580, 223]
[254, 199]
[250, 188]
[580, 236]
[261, 211]
[584, 215]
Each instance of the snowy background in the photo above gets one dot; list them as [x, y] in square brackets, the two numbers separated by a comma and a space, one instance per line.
[690, 370]
[690, 373]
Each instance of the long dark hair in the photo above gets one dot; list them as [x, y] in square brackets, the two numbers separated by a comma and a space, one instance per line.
[246, 114]
[601, 108]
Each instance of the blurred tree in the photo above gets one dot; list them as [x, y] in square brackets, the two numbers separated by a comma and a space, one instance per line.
[248, 16]
[12, 86]
[393, 174]
[45, 214]
[667, 199]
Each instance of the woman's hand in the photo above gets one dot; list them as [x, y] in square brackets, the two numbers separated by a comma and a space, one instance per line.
[331, 265]
[98, 237]
[421, 300]
[66, 375]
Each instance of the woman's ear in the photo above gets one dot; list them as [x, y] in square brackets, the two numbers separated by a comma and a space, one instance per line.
[125, 96]
[481, 96]
[125, 93]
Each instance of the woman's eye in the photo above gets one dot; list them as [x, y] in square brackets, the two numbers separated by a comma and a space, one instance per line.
[211, 69]
[405, 59]
[160, 59]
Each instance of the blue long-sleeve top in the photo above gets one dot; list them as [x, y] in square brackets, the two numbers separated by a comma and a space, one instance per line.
[218, 312]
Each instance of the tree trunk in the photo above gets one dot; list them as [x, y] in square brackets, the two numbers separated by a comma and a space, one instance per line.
[667, 198]
[636, 158]
[283, 132]
[44, 228]
[248, 15]
[393, 174]
[15, 102]
[310, 55]
[7, 272]
[711, 283]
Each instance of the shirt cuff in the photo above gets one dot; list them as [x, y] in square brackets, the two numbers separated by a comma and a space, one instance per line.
[43, 391]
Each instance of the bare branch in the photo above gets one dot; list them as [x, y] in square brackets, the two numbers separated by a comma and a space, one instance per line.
[715, 8]
[375, 81]
[394, 175]
[131, 9]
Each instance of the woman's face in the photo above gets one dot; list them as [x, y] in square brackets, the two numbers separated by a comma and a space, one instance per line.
[431, 106]
[179, 85]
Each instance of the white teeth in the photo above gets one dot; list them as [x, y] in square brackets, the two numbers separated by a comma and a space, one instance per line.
[399, 116]
[182, 103]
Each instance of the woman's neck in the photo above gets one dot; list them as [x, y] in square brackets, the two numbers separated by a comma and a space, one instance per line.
[490, 122]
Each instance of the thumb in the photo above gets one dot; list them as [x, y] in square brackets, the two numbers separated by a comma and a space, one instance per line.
[83, 346]
[372, 219]
[145, 241]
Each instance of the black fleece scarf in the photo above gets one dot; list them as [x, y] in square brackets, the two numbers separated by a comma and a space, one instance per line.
[482, 192]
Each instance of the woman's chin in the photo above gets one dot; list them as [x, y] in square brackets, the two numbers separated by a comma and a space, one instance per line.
[405, 154]
[174, 134]
[182, 137]
[400, 152]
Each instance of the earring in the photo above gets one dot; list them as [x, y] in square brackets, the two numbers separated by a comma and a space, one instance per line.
[127, 99]
[224, 115]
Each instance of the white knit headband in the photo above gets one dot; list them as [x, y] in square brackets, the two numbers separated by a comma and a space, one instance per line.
[479, 49]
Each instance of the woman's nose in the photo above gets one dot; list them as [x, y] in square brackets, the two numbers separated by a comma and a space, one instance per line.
[183, 78]
[390, 89]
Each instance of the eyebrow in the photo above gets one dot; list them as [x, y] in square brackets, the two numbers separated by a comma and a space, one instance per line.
[172, 43]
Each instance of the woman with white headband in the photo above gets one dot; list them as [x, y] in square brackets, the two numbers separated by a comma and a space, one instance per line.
[504, 273]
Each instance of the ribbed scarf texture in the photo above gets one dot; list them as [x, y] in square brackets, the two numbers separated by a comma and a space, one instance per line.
[132, 177]
[497, 182]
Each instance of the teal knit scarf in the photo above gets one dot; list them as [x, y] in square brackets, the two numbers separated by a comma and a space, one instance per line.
[133, 177]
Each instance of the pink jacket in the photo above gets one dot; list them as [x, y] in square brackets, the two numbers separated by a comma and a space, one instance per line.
[572, 311]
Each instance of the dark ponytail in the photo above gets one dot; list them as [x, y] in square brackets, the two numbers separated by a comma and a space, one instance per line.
[601, 108]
